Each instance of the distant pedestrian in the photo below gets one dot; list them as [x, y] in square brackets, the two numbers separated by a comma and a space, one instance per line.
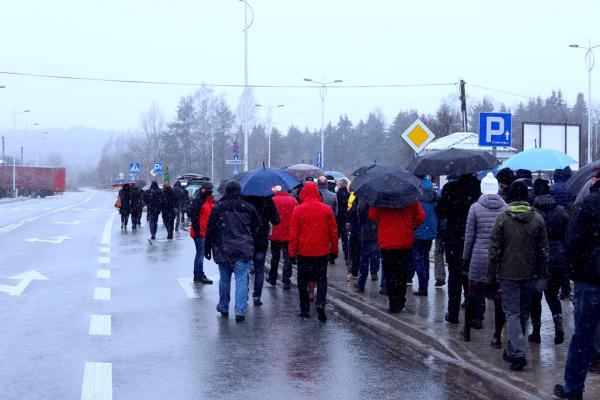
[556, 219]
[517, 258]
[137, 206]
[267, 214]
[424, 236]
[395, 237]
[342, 216]
[354, 243]
[181, 196]
[199, 212]
[583, 252]
[369, 251]
[480, 222]
[280, 237]
[125, 209]
[313, 239]
[453, 206]
[153, 200]
[168, 209]
[329, 198]
[233, 228]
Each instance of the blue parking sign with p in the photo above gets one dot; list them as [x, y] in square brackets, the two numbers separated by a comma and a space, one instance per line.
[495, 129]
[158, 167]
[134, 167]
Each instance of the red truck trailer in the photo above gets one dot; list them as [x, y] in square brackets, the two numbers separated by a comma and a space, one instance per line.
[32, 181]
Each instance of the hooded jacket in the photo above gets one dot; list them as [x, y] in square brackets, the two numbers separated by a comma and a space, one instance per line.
[558, 190]
[169, 201]
[480, 222]
[518, 247]
[153, 199]
[285, 205]
[200, 211]
[557, 220]
[583, 239]
[267, 214]
[396, 226]
[329, 198]
[428, 229]
[313, 231]
[233, 227]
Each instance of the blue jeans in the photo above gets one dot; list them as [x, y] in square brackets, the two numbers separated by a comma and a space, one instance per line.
[421, 249]
[259, 272]
[241, 269]
[586, 303]
[516, 301]
[369, 257]
[199, 259]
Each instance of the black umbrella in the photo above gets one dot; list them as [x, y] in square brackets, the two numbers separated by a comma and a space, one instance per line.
[581, 177]
[387, 187]
[452, 162]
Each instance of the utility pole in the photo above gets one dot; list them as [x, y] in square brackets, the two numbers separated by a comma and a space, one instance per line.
[463, 104]
[22, 155]
[2, 148]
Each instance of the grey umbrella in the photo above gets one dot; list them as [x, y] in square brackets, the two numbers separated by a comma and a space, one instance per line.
[452, 162]
[581, 177]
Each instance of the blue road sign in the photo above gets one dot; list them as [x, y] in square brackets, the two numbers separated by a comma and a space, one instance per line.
[134, 167]
[319, 159]
[495, 129]
[158, 167]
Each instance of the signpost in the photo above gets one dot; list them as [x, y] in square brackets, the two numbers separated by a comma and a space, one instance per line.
[418, 136]
[495, 129]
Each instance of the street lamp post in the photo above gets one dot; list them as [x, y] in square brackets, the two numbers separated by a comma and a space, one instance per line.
[246, 27]
[14, 183]
[323, 93]
[269, 128]
[589, 63]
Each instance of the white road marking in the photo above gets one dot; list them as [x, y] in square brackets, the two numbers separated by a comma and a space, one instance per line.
[104, 249]
[97, 381]
[56, 240]
[95, 209]
[26, 278]
[68, 222]
[48, 208]
[102, 293]
[103, 273]
[106, 235]
[186, 284]
[104, 260]
[9, 227]
[100, 325]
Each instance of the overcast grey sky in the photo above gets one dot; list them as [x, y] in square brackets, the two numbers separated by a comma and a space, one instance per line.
[514, 45]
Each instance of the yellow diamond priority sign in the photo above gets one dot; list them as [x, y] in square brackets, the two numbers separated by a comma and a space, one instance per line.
[418, 136]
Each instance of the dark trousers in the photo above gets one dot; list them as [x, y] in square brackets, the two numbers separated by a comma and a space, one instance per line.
[355, 250]
[136, 217]
[153, 223]
[312, 269]
[395, 263]
[551, 294]
[369, 260]
[169, 221]
[124, 219]
[475, 298]
[420, 260]
[278, 249]
[457, 281]
[177, 218]
[343, 234]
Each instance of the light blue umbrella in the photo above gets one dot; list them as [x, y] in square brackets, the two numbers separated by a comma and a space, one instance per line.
[539, 159]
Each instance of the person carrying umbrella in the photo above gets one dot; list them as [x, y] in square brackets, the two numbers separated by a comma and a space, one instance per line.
[342, 215]
[313, 239]
[424, 236]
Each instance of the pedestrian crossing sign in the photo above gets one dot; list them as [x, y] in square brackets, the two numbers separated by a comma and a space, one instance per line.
[134, 167]
[418, 136]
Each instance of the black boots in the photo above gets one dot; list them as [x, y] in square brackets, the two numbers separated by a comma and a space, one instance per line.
[559, 333]
[535, 337]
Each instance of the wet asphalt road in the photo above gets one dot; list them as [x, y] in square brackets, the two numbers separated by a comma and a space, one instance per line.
[166, 339]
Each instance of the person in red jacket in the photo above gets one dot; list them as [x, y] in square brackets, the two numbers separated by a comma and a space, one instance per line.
[280, 237]
[200, 210]
[313, 239]
[395, 240]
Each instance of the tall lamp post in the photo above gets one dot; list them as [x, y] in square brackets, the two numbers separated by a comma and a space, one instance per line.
[269, 128]
[323, 93]
[14, 183]
[589, 63]
[246, 27]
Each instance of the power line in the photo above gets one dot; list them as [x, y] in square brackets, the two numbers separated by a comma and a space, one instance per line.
[171, 83]
[502, 91]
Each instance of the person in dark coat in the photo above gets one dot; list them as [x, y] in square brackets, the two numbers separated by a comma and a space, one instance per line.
[153, 200]
[582, 246]
[353, 227]
[232, 231]
[369, 252]
[181, 196]
[563, 197]
[125, 209]
[342, 215]
[517, 258]
[453, 206]
[525, 175]
[168, 209]
[137, 205]
[556, 220]
[505, 178]
[267, 214]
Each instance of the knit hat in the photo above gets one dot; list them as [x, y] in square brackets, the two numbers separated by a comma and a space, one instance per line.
[518, 191]
[489, 184]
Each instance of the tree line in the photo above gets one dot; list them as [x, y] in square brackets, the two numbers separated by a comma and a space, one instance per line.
[203, 129]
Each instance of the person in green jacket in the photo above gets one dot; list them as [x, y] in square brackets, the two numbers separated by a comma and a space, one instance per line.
[517, 257]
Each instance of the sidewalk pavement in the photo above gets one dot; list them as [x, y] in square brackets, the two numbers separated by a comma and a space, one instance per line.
[422, 324]
[4, 200]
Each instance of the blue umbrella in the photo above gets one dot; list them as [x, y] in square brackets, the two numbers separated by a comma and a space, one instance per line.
[261, 181]
[539, 159]
[336, 175]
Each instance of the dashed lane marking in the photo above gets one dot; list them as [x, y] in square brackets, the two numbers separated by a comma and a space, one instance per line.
[102, 293]
[186, 284]
[97, 381]
[104, 249]
[104, 260]
[106, 235]
[103, 273]
[100, 325]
